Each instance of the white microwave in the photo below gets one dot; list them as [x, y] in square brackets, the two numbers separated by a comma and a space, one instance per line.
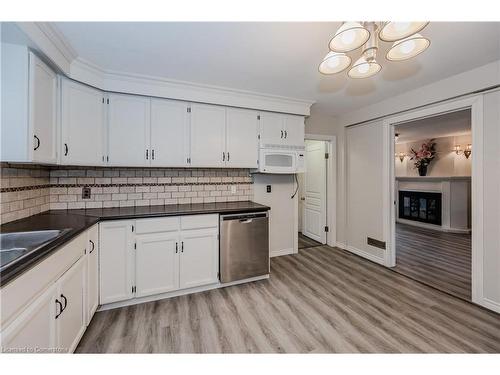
[281, 161]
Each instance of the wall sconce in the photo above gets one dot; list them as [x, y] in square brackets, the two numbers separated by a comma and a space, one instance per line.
[400, 155]
[467, 152]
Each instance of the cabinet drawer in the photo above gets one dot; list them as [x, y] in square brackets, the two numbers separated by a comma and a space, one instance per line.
[164, 224]
[199, 221]
[21, 291]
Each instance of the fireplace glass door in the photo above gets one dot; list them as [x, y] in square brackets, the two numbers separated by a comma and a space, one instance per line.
[420, 206]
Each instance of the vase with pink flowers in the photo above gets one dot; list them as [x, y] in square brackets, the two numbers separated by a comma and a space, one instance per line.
[423, 157]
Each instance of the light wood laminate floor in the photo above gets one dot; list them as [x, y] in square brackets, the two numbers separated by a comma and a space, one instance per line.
[441, 260]
[320, 300]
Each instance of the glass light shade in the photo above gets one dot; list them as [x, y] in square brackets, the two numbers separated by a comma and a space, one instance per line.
[392, 31]
[334, 63]
[363, 68]
[349, 36]
[407, 48]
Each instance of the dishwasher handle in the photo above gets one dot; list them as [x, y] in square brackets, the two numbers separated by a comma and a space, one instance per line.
[246, 221]
[245, 218]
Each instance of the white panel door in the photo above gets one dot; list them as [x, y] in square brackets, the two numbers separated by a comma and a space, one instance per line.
[314, 207]
[208, 124]
[42, 115]
[272, 128]
[35, 326]
[156, 263]
[169, 133]
[294, 130]
[116, 261]
[82, 125]
[71, 320]
[129, 130]
[365, 189]
[199, 258]
[92, 295]
[241, 138]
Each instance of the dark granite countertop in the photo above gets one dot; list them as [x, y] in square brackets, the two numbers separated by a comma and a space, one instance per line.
[80, 220]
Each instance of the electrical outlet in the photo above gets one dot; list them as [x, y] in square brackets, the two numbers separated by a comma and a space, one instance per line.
[268, 188]
[86, 192]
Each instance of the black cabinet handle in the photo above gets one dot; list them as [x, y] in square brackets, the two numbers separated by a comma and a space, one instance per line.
[228, 156]
[58, 303]
[176, 247]
[93, 246]
[153, 154]
[182, 246]
[282, 134]
[65, 149]
[286, 134]
[37, 143]
[65, 302]
[147, 154]
[223, 156]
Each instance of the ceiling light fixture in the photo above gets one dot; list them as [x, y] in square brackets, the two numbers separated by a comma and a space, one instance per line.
[353, 35]
[334, 63]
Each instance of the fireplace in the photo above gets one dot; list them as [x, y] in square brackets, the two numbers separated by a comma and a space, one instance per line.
[420, 206]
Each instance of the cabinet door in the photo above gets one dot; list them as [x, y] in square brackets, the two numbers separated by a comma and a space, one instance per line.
[208, 124]
[34, 328]
[82, 125]
[272, 128]
[156, 263]
[128, 130]
[169, 133]
[294, 131]
[42, 114]
[241, 138]
[71, 321]
[92, 280]
[116, 261]
[199, 258]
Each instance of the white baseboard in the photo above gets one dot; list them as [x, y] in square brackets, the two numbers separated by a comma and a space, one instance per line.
[176, 293]
[341, 245]
[433, 226]
[489, 304]
[278, 253]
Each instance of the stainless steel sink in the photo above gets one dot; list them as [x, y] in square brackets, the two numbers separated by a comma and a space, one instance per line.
[15, 245]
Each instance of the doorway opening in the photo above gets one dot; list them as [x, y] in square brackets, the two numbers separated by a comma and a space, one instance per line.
[313, 195]
[432, 198]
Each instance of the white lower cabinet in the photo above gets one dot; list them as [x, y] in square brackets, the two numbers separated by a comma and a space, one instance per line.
[162, 255]
[54, 322]
[116, 261]
[199, 258]
[34, 329]
[70, 314]
[156, 263]
[92, 274]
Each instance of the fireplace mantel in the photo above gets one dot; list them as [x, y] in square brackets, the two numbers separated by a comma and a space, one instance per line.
[456, 200]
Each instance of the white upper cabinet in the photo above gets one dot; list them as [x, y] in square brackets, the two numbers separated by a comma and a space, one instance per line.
[82, 125]
[169, 133]
[29, 97]
[208, 123]
[281, 129]
[43, 99]
[241, 138]
[272, 128]
[129, 130]
[294, 130]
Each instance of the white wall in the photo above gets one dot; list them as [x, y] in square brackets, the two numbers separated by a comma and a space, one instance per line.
[447, 163]
[283, 215]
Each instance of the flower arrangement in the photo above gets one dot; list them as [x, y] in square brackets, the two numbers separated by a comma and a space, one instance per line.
[424, 156]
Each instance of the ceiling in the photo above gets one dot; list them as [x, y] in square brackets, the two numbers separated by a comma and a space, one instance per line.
[276, 58]
[446, 125]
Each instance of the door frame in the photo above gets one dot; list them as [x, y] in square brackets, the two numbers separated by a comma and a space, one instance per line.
[475, 104]
[331, 185]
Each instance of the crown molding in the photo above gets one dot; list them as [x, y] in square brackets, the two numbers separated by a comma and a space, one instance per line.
[49, 41]
[131, 83]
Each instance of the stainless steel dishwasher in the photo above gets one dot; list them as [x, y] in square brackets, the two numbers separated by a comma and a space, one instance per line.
[244, 246]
